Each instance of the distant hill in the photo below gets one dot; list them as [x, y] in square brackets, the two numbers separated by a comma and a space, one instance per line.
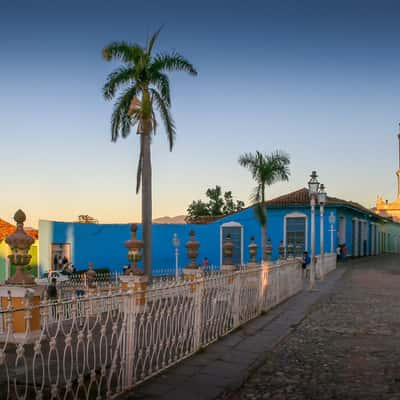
[179, 219]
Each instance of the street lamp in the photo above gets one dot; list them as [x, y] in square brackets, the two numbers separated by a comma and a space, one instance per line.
[313, 186]
[176, 242]
[332, 221]
[321, 201]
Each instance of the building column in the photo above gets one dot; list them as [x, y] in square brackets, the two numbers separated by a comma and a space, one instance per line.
[378, 241]
[366, 238]
[355, 236]
[373, 238]
[362, 233]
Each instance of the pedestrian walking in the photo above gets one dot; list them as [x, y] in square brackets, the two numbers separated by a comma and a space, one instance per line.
[59, 263]
[52, 290]
[64, 261]
[344, 252]
[205, 264]
[306, 265]
[52, 296]
[338, 253]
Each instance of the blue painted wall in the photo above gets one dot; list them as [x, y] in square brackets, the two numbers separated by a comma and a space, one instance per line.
[103, 245]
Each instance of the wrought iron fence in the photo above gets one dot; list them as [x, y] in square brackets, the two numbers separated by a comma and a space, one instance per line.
[106, 342]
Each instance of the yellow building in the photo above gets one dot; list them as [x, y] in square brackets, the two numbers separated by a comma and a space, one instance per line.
[386, 209]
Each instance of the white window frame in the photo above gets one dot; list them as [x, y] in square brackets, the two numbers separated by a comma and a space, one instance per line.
[295, 215]
[231, 224]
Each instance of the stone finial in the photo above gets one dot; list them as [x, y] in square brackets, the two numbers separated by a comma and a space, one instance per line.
[281, 250]
[253, 250]
[20, 217]
[20, 243]
[268, 250]
[134, 247]
[192, 250]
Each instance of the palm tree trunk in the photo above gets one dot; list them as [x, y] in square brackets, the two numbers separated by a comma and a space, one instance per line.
[264, 227]
[263, 240]
[146, 204]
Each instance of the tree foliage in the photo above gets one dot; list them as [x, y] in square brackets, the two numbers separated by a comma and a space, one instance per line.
[216, 205]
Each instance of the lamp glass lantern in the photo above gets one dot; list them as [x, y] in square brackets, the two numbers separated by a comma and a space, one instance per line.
[332, 218]
[313, 184]
[175, 241]
[322, 194]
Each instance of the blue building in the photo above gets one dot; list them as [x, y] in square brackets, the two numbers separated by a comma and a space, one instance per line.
[288, 221]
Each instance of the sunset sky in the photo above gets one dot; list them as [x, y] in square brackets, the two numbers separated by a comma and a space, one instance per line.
[320, 80]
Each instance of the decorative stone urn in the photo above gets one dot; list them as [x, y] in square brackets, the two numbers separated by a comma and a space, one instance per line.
[90, 276]
[20, 291]
[281, 250]
[192, 271]
[134, 246]
[268, 250]
[228, 250]
[20, 243]
[253, 251]
[227, 262]
[290, 250]
[134, 277]
[192, 250]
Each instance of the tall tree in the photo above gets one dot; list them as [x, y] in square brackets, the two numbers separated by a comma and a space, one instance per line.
[230, 206]
[144, 91]
[217, 205]
[216, 201]
[265, 169]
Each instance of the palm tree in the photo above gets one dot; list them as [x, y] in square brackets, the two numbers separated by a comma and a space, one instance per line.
[144, 90]
[265, 169]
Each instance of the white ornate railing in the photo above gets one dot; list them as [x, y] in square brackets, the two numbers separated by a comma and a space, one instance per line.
[103, 343]
[325, 264]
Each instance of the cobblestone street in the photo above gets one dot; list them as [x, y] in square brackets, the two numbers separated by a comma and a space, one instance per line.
[347, 347]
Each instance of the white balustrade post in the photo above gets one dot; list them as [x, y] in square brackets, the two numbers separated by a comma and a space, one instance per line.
[128, 326]
[260, 288]
[176, 264]
[197, 286]
[236, 298]
[278, 286]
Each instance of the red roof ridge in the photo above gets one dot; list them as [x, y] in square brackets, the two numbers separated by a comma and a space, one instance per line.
[7, 229]
[301, 197]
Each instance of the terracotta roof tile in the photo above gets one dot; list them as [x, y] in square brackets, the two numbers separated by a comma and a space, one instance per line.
[301, 197]
[7, 229]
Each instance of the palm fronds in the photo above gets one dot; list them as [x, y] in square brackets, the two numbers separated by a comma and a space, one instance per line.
[173, 62]
[145, 88]
[265, 169]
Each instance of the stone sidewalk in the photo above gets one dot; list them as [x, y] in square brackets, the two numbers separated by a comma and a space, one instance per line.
[347, 347]
[224, 366]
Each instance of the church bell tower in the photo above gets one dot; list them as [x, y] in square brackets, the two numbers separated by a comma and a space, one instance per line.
[385, 208]
[398, 171]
